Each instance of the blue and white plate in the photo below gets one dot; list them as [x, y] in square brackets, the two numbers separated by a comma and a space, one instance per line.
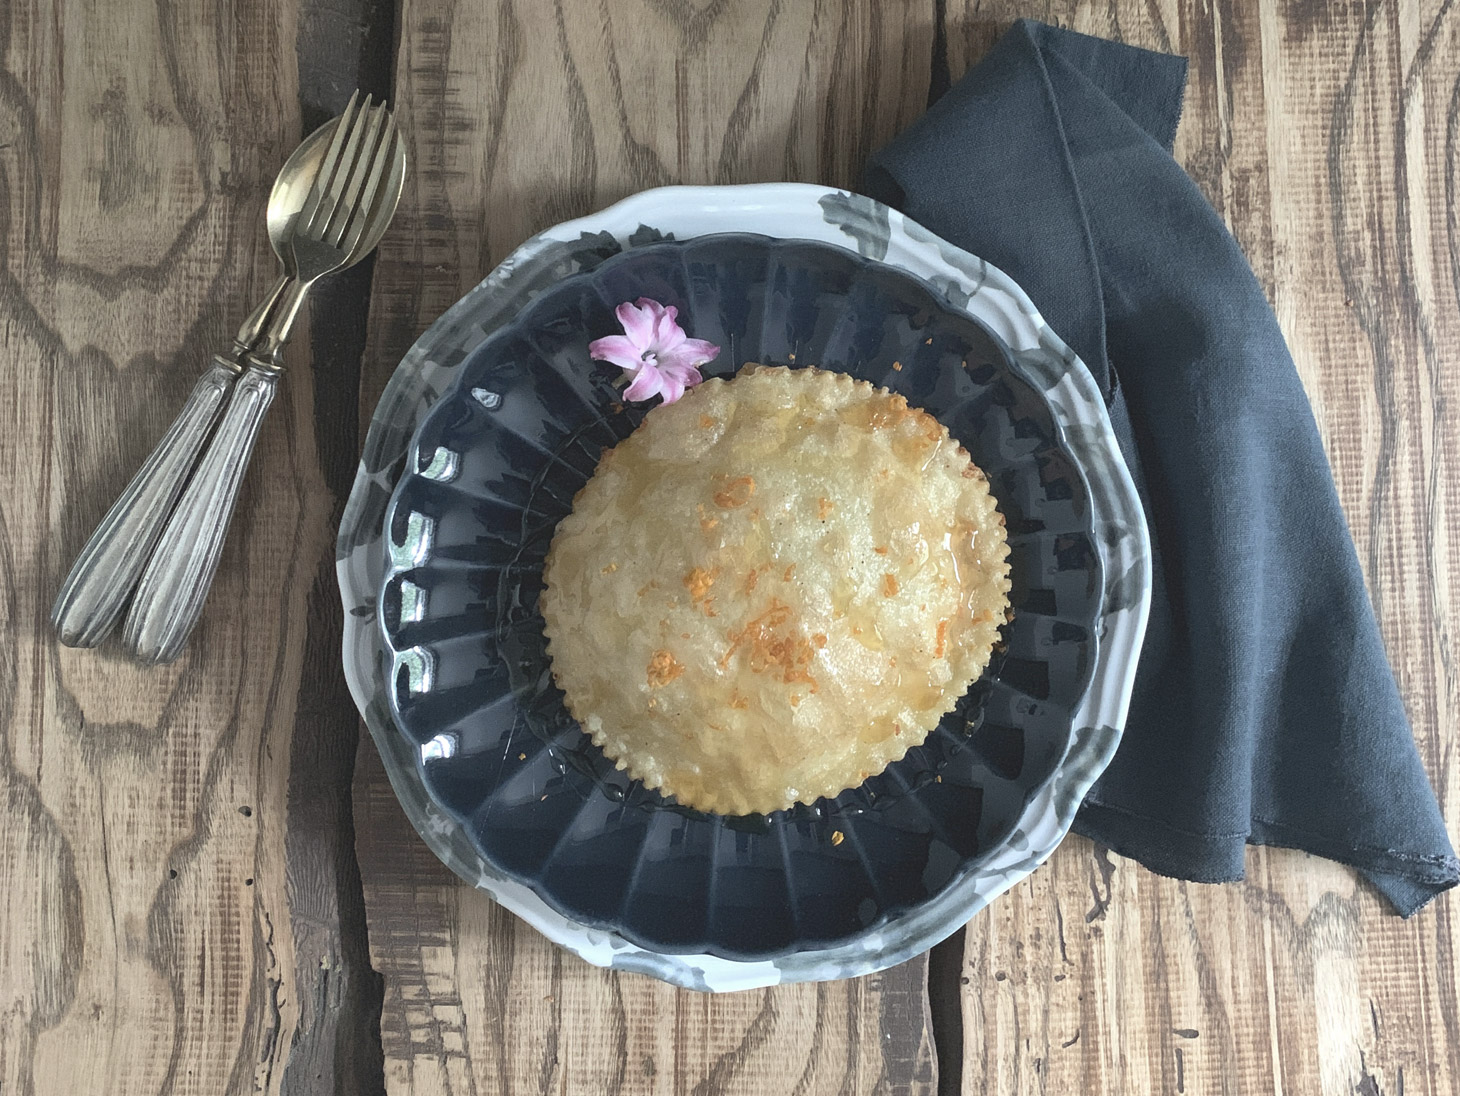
[495, 774]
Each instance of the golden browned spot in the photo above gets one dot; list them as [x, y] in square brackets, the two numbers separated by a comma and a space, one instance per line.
[736, 493]
[913, 448]
[877, 414]
[880, 551]
[737, 701]
[683, 635]
[819, 639]
[837, 837]
[706, 421]
[698, 583]
[897, 729]
[610, 569]
[663, 668]
[889, 585]
[983, 616]
[752, 579]
[789, 572]
[795, 700]
[970, 471]
[786, 654]
[942, 639]
[824, 507]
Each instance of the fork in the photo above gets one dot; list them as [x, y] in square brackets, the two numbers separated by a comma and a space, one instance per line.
[340, 210]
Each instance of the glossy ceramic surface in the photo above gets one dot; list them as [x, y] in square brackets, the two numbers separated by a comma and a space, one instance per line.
[495, 466]
[545, 828]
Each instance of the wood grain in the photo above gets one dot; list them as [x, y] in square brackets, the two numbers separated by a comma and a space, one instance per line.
[174, 872]
[178, 909]
[1325, 135]
[521, 115]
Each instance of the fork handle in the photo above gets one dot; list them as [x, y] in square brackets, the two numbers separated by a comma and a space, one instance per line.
[105, 573]
[175, 584]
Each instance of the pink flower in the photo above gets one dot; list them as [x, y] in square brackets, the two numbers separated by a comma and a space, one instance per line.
[653, 351]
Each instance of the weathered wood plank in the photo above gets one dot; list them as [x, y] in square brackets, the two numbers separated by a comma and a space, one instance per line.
[521, 115]
[1324, 135]
[341, 45]
[173, 866]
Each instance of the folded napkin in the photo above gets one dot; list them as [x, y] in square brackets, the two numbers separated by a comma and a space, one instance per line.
[1264, 711]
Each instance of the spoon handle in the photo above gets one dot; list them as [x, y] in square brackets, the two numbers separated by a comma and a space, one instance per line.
[260, 318]
[105, 573]
[175, 584]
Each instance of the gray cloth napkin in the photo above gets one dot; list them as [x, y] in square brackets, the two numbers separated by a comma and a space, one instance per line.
[1265, 711]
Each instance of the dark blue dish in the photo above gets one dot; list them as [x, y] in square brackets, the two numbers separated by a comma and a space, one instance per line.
[494, 467]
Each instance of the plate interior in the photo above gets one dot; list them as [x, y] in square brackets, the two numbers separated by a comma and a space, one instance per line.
[494, 467]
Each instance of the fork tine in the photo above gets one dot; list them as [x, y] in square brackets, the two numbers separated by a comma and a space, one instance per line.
[332, 186]
[384, 157]
[359, 168]
[330, 162]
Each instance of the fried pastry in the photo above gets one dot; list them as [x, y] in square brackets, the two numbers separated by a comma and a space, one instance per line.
[773, 589]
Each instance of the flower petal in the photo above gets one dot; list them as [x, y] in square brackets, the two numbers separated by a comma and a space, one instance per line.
[667, 333]
[704, 350]
[647, 384]
[640, 321]
[681, 377]
[690, 352]
[618, 349]
[657, 312]
[673, 388]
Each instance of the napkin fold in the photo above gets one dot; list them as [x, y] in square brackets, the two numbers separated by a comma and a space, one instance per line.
[1265, 711]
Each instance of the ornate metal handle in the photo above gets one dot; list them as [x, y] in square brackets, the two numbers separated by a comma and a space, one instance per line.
[102, 578]
[175, 584]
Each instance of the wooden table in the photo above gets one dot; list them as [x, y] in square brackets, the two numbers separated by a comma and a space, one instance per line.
[193, 859]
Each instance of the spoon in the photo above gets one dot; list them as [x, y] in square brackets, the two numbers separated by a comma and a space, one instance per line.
[107, 569]
[349, 206]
